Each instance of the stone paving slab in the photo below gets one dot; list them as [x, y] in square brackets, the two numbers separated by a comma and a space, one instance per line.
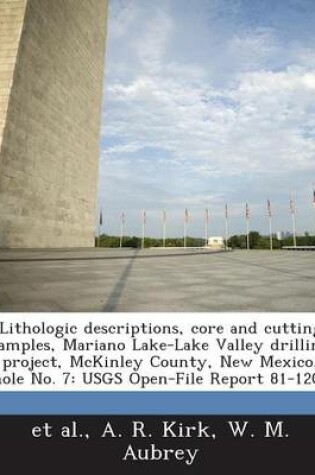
[114, 280]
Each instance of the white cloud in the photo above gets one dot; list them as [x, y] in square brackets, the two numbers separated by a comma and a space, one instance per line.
[201, 125]
[260, 122]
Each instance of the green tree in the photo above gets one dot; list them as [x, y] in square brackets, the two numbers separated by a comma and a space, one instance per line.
[254, 238]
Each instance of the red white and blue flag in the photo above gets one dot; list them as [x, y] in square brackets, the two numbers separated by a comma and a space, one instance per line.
[247, 211]
[292, 205]
[269, 208]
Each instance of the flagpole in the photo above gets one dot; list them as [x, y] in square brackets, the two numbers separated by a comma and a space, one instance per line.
[206, 226]
[294, 229]
[226, 228]
[164, 227]
[247, 227]
[121, 234]
[185, 227]
[99, 228]
[122, 218]
[247, 234]
[293, 211]
[143, 229]
[270, 223]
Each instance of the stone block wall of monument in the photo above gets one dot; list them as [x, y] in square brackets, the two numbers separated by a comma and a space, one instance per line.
[51, 70]
[11, 20]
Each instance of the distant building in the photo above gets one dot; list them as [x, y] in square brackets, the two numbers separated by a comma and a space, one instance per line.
[279, 235]
[216, 241]
[283, 235]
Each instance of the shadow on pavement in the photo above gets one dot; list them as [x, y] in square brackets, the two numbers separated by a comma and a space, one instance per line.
[115, 295]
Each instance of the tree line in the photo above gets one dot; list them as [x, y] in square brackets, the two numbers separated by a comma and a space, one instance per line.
[106, 240]
[257, 241]
[237, 241]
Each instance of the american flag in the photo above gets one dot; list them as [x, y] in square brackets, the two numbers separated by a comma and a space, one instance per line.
[247, 211]
[269, 208]
[226, 211]
[186, 216]
[292, 205]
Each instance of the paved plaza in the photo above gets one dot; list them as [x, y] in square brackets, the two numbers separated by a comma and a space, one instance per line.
[114, 280]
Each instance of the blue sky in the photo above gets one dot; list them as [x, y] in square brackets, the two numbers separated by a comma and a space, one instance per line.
[208, 102]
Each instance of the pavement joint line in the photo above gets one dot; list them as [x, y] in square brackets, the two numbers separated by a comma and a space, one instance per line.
[97, 258]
